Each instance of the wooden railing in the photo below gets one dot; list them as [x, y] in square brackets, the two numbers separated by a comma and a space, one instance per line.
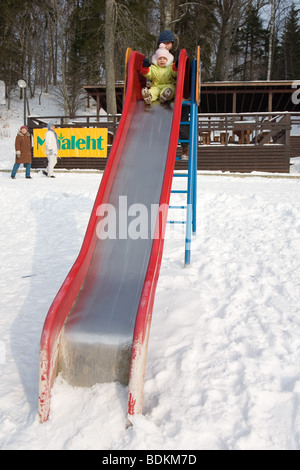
[244, 129]
[222, 129]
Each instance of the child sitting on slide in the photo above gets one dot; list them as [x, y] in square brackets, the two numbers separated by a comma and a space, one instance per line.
[162, 74]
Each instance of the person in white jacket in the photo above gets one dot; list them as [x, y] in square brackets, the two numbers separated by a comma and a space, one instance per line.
[51, 149]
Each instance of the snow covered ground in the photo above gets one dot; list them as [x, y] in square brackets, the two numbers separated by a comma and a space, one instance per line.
[223, 366]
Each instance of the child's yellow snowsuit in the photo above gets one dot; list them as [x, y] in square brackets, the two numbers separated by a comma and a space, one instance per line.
[161, 78]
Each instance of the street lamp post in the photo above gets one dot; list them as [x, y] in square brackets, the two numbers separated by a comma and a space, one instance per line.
[23, 84]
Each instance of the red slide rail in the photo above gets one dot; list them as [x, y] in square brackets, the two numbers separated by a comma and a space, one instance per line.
[69, 290]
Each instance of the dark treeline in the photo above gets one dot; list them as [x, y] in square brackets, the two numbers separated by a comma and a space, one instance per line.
[67, 43]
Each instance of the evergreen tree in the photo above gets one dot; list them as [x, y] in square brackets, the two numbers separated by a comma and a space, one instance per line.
[289, 48]
[249, 49]
[194, 28]
[87, 24]
[10, 46]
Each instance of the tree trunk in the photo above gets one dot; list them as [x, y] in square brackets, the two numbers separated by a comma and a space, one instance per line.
[221, 70]
[271, 39]
[63, 57]
[111, 103]
[167, 12]
[229, 13]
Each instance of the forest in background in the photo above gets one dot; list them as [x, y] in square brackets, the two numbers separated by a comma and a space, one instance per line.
[71, 43]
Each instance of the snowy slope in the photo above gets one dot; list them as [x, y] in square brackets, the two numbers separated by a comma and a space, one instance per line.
[223, 367]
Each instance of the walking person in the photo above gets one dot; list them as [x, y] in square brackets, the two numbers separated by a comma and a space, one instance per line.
[51, 149]
[23, 152]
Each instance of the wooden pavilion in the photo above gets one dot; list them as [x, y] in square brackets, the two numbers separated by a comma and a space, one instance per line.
[243, 126]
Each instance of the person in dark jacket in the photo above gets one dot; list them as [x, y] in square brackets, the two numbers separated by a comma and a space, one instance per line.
[23, 152]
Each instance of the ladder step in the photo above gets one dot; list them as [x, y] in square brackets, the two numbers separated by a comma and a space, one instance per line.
[185, 123]
[179, 191]
[180, 175]
[183, 141]
[176, 222]
[177, 207]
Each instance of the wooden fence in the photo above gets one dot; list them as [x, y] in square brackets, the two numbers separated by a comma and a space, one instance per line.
[226, 142]
[244, 142]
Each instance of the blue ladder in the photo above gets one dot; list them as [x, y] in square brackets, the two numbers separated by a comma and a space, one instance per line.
[191, 190]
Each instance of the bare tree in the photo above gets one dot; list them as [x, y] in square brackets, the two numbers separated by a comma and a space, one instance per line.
[167, 10]
[228, 17]
[173, 11]
[110, 26]
[271, 39]
[63, 51]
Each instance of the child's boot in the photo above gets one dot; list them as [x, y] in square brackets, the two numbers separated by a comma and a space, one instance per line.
[165, 96]
[146, 95]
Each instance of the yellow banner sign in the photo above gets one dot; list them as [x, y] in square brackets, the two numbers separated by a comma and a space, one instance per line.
[74, 142]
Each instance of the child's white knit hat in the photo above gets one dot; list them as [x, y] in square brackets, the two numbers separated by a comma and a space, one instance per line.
[162, 51]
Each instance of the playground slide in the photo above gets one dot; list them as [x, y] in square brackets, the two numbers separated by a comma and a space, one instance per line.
[97, 327]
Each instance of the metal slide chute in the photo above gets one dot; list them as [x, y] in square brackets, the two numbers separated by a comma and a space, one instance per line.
[97, 327]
